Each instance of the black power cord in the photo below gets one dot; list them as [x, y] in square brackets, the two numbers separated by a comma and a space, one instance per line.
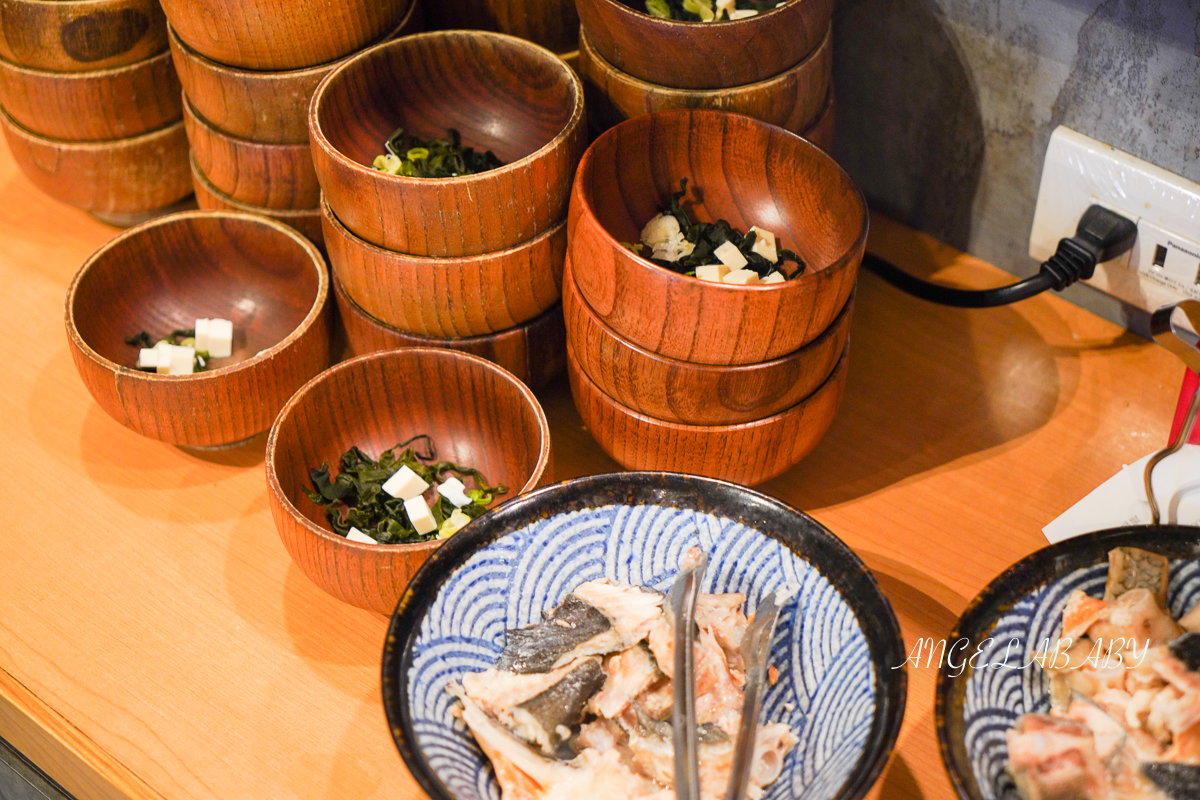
[1101, 235]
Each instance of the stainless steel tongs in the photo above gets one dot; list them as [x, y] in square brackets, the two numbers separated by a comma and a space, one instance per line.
[1182, 343]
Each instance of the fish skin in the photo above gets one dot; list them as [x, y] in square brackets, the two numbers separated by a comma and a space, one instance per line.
[1176, 781]
[561, 705]
[537, 647]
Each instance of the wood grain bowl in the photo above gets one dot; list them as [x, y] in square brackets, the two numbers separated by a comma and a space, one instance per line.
[739, 169]
[306, 220]
[281, 34]
[534, 352]
[704, 55]
[476, 413]
[696, 394]
[122, 176]
[793, 99]
[551, 23]
[80, 35]
[822, 130]
[163, 275]
[747, 453]
[501, 93]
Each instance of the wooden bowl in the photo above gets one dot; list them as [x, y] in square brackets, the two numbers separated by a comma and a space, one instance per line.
[122, 176]
[696, 394]
[277, 176]
[267, 107]
[80, 35]
[821, 131]
[502, 94]
[449, 297]
[282, 34]
[748, 453]
[551, 23]
[792, 99]
[704, 55]
[745, 171]
[209, 197]
[166, 273]
[534, 352]
[476, 413]
[113, 103]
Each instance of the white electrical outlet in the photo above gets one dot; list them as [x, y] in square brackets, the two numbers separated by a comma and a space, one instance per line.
[1164, 265]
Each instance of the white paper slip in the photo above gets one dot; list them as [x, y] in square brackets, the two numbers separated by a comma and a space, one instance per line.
[1121, 500]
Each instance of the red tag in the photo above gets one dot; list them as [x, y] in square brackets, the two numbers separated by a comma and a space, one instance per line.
[1190, 381]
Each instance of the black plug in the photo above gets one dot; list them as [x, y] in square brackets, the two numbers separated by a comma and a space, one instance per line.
[1100, 236]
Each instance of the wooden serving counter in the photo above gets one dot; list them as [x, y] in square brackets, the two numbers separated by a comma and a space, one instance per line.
[156, 642]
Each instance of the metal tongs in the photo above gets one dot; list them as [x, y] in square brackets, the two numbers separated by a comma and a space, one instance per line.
[1182, 342]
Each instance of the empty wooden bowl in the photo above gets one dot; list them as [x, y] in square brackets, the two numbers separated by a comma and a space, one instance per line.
[535, 352]
[281, 34]
[448, 297]
[122, 176]
[703, 55]
[501, 93]
[80, 35]
[306, 220]
[477, 415]
[278, 176]
[551, 23]
[739, 169]
[112, 103]
[747, 453]
[696, 394]
[821, 131]
[166, 273]
[792, 99]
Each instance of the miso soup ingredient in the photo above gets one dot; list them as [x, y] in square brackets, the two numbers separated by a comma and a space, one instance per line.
[707, 10]
[412, 157]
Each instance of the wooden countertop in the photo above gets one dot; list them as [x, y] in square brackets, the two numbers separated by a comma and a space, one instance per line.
[156, 641]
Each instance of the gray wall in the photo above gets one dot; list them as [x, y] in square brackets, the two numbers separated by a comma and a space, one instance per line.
[945, 107]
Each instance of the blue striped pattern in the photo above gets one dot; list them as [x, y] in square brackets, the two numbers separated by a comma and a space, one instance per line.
[820, 649]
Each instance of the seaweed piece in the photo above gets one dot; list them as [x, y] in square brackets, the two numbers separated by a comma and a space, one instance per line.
[536, 648]
[699, 10]
[412, 157]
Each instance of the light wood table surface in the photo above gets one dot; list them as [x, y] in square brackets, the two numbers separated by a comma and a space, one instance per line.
[156, 641]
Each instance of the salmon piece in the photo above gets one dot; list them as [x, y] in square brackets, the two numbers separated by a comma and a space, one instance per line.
[1081, 612]
[1136, 616]
[1055, 759]
[497, 692]
[1130, 568]
[718, 692]
[546, 718]
[723, 615]
[629, 674]
[630, 609]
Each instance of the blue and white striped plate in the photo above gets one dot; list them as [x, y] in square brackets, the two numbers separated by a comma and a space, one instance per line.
[835, 645]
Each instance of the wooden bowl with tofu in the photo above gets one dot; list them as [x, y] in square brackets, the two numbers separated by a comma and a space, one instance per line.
[474, 413]
[755, 176]
[81, 35]
[261, 276]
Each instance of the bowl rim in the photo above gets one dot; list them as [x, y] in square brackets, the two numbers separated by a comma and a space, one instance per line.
[148, 64]
[190, 112]
[239, 207]
[17, 129]
[321, 142]
[1046, 564]
[649, 487]
[314, 312]
[809, 274]
[272, 448]
[681, 22]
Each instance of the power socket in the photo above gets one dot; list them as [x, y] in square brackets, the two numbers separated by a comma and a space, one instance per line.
[1164, 265]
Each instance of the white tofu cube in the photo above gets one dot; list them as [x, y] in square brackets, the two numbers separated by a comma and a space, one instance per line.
[730, 256]
[728, 6]
[220, 338]
[163, 365]
[180, 360]
[712, 272]
[743, 13]
[741, 277]
[455, 491]
[419, 515]
[773, 277]
[405, 484]
[764, 244]
[148, 358]
[355, 535]
[202, 334]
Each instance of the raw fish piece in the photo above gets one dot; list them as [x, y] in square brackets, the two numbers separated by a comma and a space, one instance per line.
[1177, 781]
[542, 718]
[1130, 568]
[629, 674]
[569, 628]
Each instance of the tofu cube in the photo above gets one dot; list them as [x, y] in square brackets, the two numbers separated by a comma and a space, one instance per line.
[405, 484]
[741, 277]
[355, 535]
[163, 365]
[419, 515]
[730, 256]
[220, 338]
[764, 244]
[773, 277]
[727, 6]
[148, 358]
[455, 491]
[743, 13]
[202, 334]
[180, 360]
[712, 272]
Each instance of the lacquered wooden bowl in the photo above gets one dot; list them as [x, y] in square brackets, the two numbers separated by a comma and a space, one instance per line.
[122, 176]
[792, 99]
[267, 107]
[476, 414]
[704, 55]
[281, 34]
[501, 93]
[745, 171]
[80, 35]
[277, 176]
[821, 131]
[306, 220]
[535, 352]
[696, 394]
[163, 275]
[551, 23]
[449, 297]
[113, 103]
[748, 453]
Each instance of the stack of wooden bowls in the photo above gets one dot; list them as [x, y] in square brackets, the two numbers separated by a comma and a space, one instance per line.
[551, 23]
[249, 68]
[91, 105]
[775, 66]
[674, 373]
[472, 263]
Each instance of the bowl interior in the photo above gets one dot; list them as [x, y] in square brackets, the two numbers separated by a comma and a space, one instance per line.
[171, 272]
[476, 414]
[501, 94]
[738, 169]
[833, 647]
